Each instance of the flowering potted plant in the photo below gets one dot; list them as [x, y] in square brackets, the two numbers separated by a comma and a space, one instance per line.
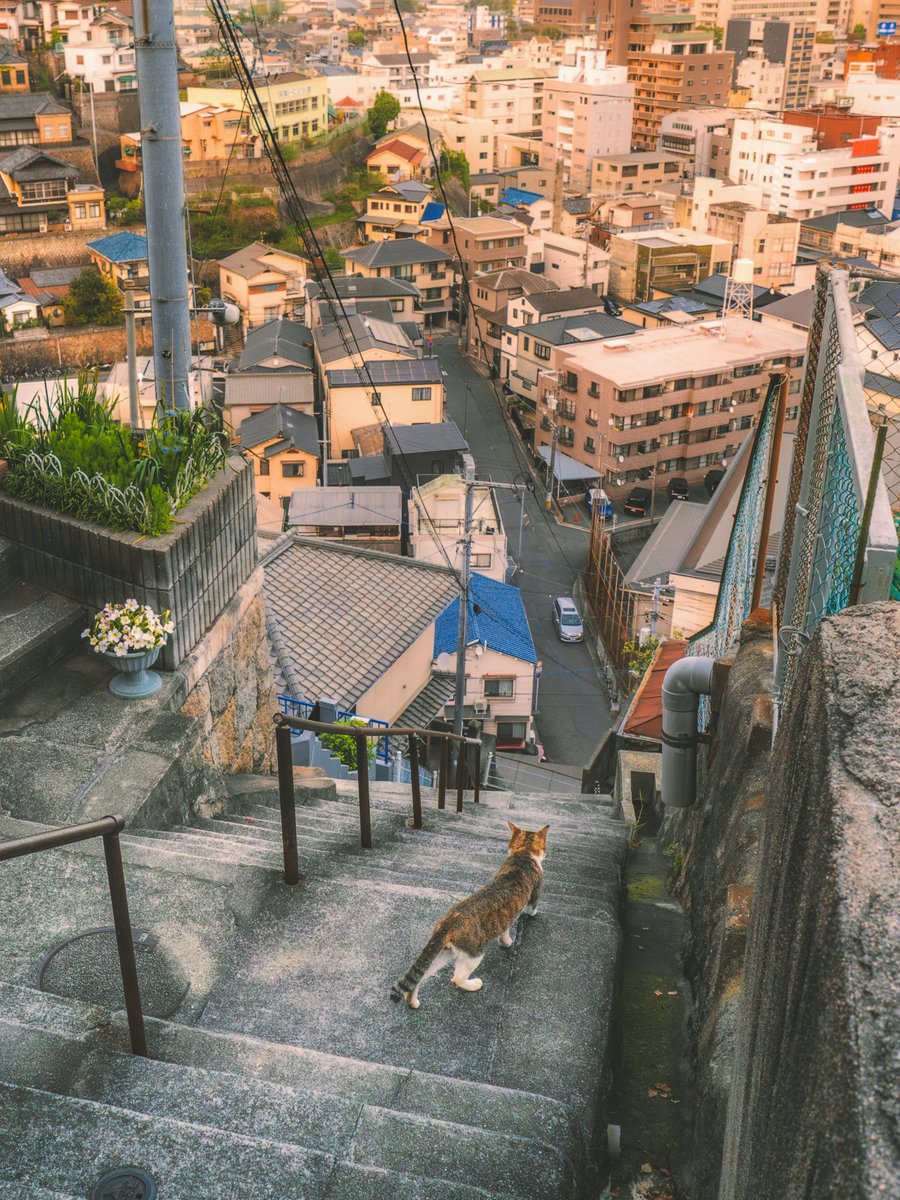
[130, 637]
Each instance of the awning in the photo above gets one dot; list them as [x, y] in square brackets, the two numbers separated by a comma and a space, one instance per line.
[566, 469]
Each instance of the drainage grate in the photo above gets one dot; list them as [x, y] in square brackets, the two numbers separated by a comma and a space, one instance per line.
[125, 1183]
[86, 967]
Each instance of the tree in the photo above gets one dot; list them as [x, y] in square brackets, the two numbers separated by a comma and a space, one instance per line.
[553, 32]
[456, 163]
[93, 300]
[385, 108]
[334, 260]
[858, 32]
[640, 656]
[356, 37]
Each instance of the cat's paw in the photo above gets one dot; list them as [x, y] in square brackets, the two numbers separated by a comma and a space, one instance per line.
[413, 1001]
[530, 910]
[506, 939]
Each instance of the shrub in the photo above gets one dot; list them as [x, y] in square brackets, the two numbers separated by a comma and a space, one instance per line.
[343, 745]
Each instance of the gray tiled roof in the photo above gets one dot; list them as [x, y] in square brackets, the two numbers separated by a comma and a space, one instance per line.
[359, 334]
[421, 439]
[438, 691]
[550, 302]
[283, 338]
[300, 429]
[350, 286]
[328, 604]
[28, 164]
[16, 107]
[402, 252]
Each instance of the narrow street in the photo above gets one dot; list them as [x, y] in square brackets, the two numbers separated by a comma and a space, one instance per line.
[573, 711]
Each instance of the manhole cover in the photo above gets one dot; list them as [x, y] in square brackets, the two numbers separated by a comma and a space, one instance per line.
[125, 1183]
[86, 967]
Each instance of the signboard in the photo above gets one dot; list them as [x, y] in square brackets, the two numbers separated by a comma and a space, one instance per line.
[886, 28]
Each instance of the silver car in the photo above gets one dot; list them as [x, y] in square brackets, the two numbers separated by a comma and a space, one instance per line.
[567, 620]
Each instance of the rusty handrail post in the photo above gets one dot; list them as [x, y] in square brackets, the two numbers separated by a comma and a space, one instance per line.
[362, 779]
[477, 782]
[414, 780]
[460, 775]
[445, 770]
[122, 921]
[286, 799]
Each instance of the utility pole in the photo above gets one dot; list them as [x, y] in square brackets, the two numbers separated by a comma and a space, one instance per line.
[134, 408]
[156, 62]
[654, 610]
[552, 401]
[460, 693]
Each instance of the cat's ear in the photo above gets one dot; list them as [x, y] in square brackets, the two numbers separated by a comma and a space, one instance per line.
[542, 834]
[514, 829]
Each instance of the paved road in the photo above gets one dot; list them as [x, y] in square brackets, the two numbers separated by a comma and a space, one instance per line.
[573, 711]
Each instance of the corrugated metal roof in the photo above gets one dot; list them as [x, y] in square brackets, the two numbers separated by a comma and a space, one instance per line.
[293, 388]
[644, 718]
[346, 506]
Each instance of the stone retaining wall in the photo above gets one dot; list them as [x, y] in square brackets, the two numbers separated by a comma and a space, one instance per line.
[195, 570]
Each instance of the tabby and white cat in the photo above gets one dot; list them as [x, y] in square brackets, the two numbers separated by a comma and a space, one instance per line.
[462, 935]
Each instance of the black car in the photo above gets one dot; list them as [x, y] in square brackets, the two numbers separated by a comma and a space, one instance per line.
[712, 479]
[638, 501]
[610, 307]
[677, 489]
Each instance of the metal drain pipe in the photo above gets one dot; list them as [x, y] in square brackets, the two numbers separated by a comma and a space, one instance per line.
[685, 682]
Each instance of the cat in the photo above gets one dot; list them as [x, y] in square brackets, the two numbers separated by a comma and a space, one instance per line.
[462, 934]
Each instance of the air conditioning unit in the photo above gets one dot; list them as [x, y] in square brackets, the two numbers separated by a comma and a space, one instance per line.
[68, 226]
[480, 707]
[42, 228]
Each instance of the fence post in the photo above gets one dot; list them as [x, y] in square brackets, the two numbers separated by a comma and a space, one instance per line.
[866, 522]
[445, 767]
[286, 800]
[460, 775]
[414, 779]
[362, 779]
[477, 772]
[122, 921]
[771, 482]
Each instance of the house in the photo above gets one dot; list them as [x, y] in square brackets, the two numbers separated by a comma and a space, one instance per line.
[489, 244]
[263, 282]
[394, 211]
[500, 661]
[122, 260]
[283, 446]
[437, 526]
[17, 308]
[552, 302]
[400, 158]
[358, 293]
[14, 71]
[99, 53]
[428, 268]
[209, 133]
[36, 119]
[282, 346]
[40, 192]
[338, 640]
[527, 349]
[295, 102]
[370, 517]
[569, 262]
[408, 391]
[491, 294]
[49, 287]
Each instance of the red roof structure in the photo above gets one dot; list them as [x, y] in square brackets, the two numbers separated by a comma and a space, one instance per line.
[644, 717]
[413, 154]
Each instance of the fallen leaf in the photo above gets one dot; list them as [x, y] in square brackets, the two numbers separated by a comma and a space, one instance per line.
[671, 993]
[645, 927]
[647, 1169]
[651, 1092]
[640, 947]
[657, 993]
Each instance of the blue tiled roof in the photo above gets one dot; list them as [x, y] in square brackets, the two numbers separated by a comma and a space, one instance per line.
[496, 618]
[121, 247]
[519, 196]
[433, 211]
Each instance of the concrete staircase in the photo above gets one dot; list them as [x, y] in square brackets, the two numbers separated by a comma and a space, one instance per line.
[286, 1073]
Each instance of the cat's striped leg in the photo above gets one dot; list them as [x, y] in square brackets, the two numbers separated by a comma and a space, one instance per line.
[465, 965]
[531, 907]
[412, 998]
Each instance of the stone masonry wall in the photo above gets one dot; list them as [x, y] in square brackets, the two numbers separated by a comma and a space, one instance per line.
[228, 685]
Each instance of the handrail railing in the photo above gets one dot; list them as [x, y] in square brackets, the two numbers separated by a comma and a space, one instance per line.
[109, 829]
[284, 724]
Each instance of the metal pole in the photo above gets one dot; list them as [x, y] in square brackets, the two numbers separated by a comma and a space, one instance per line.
[284, 752]
[521, 525]
[460, 774]
[362, 779]
[654, 611]
[134, 411]
[874, 476]
[122, 921]
[476, 797]
[551, 403]
[771, 484]
[444, 769]
[414, 779]
[156, 63]
[460, 692]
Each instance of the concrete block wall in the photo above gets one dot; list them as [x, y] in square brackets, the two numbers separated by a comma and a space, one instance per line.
[194, 571]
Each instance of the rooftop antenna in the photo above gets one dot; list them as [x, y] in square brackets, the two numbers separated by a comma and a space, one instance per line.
[738, 300]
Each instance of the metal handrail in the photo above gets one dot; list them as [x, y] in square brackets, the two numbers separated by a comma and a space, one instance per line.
[109, 829]
[283, 726]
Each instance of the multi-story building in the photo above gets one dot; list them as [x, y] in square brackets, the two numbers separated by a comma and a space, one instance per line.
[782, 43]
[689, 136]
[428, 268]
[437, 526]
[672, 66]
[883, 59]
[99, 51]
[209, 133]
[588, 112]
[489, 244]
[667, 401]
[569, 262]
[36, 119]
[833, 125]
[757, 145]
[264, 282]
[882, 19]
[769, 239]
[638, 171]
[527, 349]
[491, 294]
[512, 98]
[395, 211]
[295, 103]
[720, 12]
[122, 260]
[668, 260]
[283, 446]
[861, 233]
[862, 175]
[40, 193]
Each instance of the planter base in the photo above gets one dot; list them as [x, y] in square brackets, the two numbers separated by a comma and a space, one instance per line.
[135, 687]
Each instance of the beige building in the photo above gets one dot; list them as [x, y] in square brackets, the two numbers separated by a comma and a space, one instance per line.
[394, 211]
[426, 266]
[511, 98]
[491, 295]
[666, 402]
[638, 171]
[490, 244]
[472, 136]
[670, 260]
[767, 238]
[264, 282]
[283, 446]
[437, 526]
[295, 103]
[209, 133]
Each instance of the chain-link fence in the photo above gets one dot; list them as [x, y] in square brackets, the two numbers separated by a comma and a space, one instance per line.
[839, 544]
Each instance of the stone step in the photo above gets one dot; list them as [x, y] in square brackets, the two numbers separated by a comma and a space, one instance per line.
[9, 561]
[37, 627]
[11, 1189]
[309, 783]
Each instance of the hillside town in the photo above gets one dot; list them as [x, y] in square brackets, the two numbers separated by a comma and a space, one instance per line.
[477, 413]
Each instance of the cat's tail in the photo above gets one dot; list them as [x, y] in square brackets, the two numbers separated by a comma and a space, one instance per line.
[416, 972]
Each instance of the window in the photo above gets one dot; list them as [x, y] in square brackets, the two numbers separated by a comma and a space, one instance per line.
[498, 687]
[94, 209]
[542, 351]
[293, 470]
[264, 466]
[526, 343]
[511, 731]
[79, 212]
[421, 393]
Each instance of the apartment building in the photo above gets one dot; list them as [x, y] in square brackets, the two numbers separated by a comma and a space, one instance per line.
[209, 133]
[527, 349]
[783, 43]
[511, 98]
[768, 238]
[637, 171]
[689, 136]
[437, 526]
[668, 260]
[295, 103]
[99, 52]
[569, 262]
[264, 282]
[754, 146]
[863, 175]
[490, 244]
[428, 268]
[664, 402]
[672, 66]
[588, 112]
